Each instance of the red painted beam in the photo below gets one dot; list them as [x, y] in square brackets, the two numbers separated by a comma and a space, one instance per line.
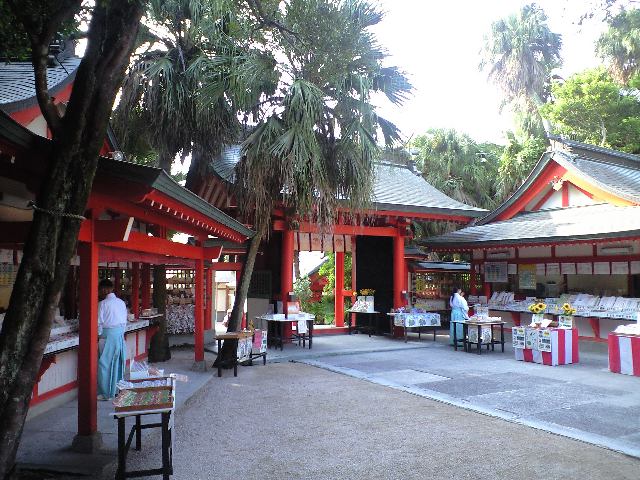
[565, 194]
[143, 243]
[543, 200]
[226, 266]
[306, 227]
[551, 171]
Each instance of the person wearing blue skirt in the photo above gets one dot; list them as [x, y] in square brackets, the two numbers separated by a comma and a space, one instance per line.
[112, 320]
[459, 311]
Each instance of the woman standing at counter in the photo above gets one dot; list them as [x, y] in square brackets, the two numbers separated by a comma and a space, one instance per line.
[112, 320]
[459, 311]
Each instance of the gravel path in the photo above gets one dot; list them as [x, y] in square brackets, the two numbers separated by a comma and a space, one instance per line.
[292, 421]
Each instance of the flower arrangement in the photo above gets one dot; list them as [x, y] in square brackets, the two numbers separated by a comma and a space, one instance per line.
[367, 292]
[538, 307]
[567, 309]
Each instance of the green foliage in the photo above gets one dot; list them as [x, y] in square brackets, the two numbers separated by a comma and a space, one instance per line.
[455, 164]
[328, 271]
[14, 42]
[619, 46]
[302, 290]
[323, 311]
[591, 107]
[519, 54]
[517, 161]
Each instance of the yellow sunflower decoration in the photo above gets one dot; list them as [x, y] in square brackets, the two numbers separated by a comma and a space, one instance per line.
[567, 309]
[538, 307]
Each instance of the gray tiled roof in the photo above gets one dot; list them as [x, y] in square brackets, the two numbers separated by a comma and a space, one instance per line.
[17, 89]
[611, 170]
[396, 187]
[591, 222]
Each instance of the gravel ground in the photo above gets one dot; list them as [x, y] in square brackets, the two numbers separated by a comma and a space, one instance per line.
[291, 421]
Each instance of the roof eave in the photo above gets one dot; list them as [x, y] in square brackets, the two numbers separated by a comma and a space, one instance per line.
[470, 214]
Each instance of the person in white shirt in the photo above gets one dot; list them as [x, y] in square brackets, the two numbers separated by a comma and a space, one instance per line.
[112, 320]
[459, 311]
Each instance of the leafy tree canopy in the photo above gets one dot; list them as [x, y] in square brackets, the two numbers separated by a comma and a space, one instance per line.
[591, 107]
[517, 160]
[619, 46]
[458, 166]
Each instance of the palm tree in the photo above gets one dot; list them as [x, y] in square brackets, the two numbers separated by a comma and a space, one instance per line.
[619, 46]
[180, 97]
[313, 147]
[519, 55]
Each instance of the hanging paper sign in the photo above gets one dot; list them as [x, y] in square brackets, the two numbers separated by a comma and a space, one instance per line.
[316, 242]
[541, 269]
[347, 243]
[601, 268]
[620, 268]
[544, 340]
[584, 268]
[531, 339]
[495, 272]
[327, 242]
[338, 243]
[553, 269]
[565, 321]
[527, 277]
[518, 336]
[568, 268]
[302, 327]
[634, 267]
[512, 269]
[304, 242]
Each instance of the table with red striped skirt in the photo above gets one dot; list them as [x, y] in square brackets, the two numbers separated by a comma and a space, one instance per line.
[624, 354]
[561, 347]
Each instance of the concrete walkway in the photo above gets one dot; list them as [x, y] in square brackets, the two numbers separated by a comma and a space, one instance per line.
[292, 421]
[583, 401]
[47, 438]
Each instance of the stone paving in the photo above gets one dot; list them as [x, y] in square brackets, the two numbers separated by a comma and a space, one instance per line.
[582, 401]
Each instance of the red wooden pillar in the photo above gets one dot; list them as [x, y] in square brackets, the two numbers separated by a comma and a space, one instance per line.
[209, 273]
[146, 285]
[398, 271]
[339, 291]
[353, 278]
[88, 341]
[199, 313]
[286, 275]
[135, 289]
[486, 290]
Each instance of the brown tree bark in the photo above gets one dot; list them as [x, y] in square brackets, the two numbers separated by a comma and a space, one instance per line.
[226, 354]
[72, 162]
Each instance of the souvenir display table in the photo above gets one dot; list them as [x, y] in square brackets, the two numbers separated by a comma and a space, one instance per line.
[275, 326]
[371, 324]
[250, 345]
[546, 346]
[624, 354]
[418, 320]
[478, 332]
[135, 402]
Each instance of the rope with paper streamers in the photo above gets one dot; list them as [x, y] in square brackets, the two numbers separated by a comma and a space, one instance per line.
[36, 208]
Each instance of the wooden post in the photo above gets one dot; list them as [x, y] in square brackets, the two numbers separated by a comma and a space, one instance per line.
[339, 290]
[135, 289]
[208, 273]
[286, 275]
[146, 285]
[398, 270]
[88, 341]
[199, 315]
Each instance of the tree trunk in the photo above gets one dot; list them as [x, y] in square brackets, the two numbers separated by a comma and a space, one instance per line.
[51, 242]
[225, 356]
[159, 347]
